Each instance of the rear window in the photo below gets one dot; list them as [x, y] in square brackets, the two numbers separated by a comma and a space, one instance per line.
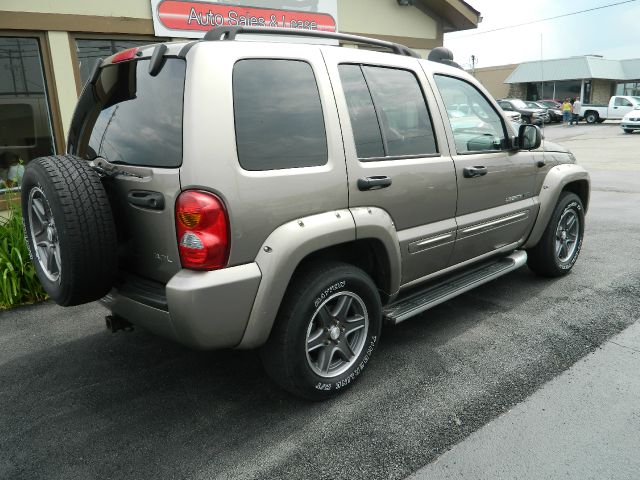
[130, 117]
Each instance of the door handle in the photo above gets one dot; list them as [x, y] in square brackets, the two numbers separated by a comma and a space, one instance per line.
[146, 199]
[472, 172]
[373, 183]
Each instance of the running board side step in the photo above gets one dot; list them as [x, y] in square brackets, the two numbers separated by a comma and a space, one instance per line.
[436, 294]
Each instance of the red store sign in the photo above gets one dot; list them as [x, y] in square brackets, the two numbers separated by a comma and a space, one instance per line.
[199, 16]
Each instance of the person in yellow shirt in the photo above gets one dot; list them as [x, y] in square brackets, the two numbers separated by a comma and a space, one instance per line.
[566, 111]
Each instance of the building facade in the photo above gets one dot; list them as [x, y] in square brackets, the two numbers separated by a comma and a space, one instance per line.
[591, 77]
[48, 48]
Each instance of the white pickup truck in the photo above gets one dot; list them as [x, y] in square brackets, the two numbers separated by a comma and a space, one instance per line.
[618, 107]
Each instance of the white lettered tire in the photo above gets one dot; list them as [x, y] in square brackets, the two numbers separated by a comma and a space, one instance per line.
[558, 249]
[327, 330]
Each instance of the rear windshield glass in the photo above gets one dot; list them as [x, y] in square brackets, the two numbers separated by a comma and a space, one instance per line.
[130, 117]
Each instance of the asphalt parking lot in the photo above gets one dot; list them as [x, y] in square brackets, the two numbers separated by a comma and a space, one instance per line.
[77, 402]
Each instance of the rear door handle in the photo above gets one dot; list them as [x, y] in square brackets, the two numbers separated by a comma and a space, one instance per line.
[374, 183]
[146, 199]
[472, 172]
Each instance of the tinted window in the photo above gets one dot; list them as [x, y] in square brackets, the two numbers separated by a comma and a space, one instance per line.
[279, 121]
[388, 113]
[133, 118]
[478, 129]
[364, 123]
[402, 111]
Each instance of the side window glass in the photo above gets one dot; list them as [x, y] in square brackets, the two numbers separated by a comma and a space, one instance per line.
[388, 112]
[278, 115]
[622, 102]
[478, 130]
[364, 123]
[402, 111]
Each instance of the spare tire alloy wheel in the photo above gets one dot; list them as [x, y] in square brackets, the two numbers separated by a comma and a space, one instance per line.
[69, 229]
[326, 332]
[44, 235]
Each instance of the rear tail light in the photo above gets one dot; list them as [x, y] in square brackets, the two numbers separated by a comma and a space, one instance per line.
[202, 227]
[124, 55]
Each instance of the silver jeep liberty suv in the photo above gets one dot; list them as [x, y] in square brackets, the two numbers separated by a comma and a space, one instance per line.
[292, 197]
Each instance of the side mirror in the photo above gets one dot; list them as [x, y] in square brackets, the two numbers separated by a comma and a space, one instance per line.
[529, 137]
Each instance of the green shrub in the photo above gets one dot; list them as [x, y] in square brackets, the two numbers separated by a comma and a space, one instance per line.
[18, 281]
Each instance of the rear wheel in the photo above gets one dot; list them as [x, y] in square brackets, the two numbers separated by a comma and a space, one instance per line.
[591, 117]
[326, 331]
[69, 229]
[558, 249]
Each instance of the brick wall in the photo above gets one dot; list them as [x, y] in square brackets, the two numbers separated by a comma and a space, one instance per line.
[600, 91]
[517, 90]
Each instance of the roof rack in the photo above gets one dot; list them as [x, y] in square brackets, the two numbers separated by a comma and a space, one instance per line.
[229, 33]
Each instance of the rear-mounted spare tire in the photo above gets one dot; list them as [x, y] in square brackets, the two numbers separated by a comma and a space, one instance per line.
[69, 229]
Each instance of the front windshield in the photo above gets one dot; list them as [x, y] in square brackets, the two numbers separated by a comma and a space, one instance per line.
[519, 104]
[637, 99]
[532, 105]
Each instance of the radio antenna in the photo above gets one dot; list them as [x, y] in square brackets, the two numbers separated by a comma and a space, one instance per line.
[542, 93]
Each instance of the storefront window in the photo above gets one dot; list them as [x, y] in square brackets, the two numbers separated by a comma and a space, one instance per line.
[25, 120]
[631, 89]
[90, 51]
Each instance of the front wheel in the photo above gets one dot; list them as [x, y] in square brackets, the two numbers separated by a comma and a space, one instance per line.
[326, 331]
[628, 130]
[558, 249]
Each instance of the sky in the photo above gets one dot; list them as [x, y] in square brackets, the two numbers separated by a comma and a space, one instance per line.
[611, 32]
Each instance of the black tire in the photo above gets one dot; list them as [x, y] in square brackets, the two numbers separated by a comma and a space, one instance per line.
[526, 120]
[65, 202]
[285, 356]
[592, 117]
[628, 130]
[544, 258]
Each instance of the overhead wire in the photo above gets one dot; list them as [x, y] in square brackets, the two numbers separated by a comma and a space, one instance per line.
[543, 19]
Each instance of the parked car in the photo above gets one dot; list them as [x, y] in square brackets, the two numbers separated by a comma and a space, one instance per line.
[631, 121]
[292, 197]
[512, 116]
[550, 103]
[547, 114]
[554, 112]
[529, 115]
[617, 108]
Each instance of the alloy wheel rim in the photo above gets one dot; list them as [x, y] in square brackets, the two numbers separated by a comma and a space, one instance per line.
[44, 235]
[567, 234]
[336, 334]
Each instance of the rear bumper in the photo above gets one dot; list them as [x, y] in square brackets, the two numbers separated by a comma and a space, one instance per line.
[204, 310]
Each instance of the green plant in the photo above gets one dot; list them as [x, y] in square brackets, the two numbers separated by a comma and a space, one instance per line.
[18, 281]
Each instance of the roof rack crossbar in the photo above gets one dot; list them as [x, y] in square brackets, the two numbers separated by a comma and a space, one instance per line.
[229, 33]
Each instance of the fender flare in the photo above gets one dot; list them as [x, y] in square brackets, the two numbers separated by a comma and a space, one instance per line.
[289, 244]
[554, 183]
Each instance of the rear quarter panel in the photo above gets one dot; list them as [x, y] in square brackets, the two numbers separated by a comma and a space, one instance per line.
[257, 201]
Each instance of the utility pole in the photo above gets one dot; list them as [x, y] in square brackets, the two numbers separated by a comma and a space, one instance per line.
[474, 60]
